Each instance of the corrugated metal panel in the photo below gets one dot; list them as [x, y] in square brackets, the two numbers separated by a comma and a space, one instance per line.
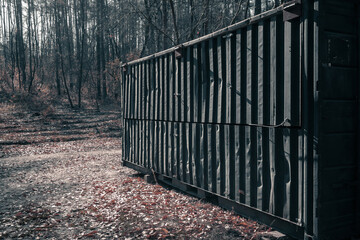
[246, 113]
[198, 118]
[338, 187]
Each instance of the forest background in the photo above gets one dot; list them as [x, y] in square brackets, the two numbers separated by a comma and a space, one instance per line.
[72, 50]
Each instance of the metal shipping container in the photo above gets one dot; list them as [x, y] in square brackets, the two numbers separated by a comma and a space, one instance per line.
[261, 117]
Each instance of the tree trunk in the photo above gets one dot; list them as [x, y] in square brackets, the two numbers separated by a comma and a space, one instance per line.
[31, 72]
[177, 39]
[69, 45]
[57, 52]
[165, 25]
[20, 45]
[206, 21]
[60, 51]
[192, 29]
[81, 51]
[102, 37]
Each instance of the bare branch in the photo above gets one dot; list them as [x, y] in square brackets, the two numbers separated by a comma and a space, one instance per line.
[152, 23]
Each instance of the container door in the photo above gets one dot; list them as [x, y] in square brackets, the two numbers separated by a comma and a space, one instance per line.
[338, 205]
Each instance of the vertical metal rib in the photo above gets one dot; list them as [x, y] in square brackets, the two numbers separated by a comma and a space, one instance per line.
[196, 83]
[280, 163]
[177, 95]
[209, 151]
[236, 163]
[266, 116]
[171, 88]
[157, 147]
[260, 115]
[135, 140]
[218, 159]
[188, 153]
[161, 148]
[157, 90]
[287, 114]
[222, 159]
[192, 163]
[132, 134]
[201, 154]
[176, 150]
[169, 149]
[132, 93]
[220, 82]
[166, 88]
[243, 114]
[184, 104]
[212, 89]
[148, 90]
[152, 89]
[136, 91]
[232, 57]
[180, 156]
[190, 85]
[166, 149]
[272, 114]
[256, 162]
[196, 155]
[184, 152]
[162, 88]
[295, 118]
[205, 82]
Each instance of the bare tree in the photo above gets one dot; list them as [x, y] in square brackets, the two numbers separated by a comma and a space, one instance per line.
[69, 46]
[20, 48]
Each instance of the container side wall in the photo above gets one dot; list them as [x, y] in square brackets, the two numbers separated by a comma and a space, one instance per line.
[223, 119]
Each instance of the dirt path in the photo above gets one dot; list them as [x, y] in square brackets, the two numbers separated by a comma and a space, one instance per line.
[64, 180]
[20, 128]
[42, 194]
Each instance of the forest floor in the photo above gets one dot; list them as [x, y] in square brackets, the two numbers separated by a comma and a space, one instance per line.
[61, 178]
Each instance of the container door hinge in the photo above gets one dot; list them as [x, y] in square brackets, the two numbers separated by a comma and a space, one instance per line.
[292, 10]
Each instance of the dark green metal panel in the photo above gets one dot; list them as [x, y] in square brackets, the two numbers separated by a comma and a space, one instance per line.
[264, 115]
[199, 118]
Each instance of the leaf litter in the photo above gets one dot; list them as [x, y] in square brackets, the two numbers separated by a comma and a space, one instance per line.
[80, 190]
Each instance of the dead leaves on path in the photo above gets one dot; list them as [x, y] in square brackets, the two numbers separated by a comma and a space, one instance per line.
[81, 196]
[79, 190]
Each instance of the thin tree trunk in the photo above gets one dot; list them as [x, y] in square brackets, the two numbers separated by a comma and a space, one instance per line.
[177, 39]
[82, 51]
[60, 51]
[64, 79]
[68, 29]
[192, 29]
[206, 21]
[165, 25]
[98, 51]
[31, 76]
[20, 45]
[102, 37]
[57, 51]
